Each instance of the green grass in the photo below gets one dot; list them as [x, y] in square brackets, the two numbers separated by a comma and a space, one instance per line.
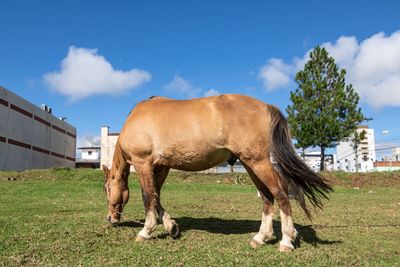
[56, 217]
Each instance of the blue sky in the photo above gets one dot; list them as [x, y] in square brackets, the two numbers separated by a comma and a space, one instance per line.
[182, 49]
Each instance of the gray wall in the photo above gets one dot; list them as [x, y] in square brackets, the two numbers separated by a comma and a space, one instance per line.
[31, 138]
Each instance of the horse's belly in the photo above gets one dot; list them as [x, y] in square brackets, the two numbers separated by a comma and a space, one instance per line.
[194, 160]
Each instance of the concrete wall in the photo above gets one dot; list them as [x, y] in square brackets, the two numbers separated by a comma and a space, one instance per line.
[31, 138]
[108, 142]
[382, 166]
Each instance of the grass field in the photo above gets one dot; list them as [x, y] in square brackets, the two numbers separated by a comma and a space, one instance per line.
[56, 217]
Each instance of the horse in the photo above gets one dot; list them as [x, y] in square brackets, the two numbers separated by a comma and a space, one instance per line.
[193, 135]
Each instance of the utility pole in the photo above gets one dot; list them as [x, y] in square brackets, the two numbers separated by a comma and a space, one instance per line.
[356, 141]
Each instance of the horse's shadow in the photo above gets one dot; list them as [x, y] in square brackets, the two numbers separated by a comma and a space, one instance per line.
[306, 233]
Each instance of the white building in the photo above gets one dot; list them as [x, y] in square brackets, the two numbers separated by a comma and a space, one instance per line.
[31, 137]
[363, 159]
[90, 153]
[313, 160]
[90, 157]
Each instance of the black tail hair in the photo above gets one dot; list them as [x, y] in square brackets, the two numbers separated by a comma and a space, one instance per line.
[293, 172]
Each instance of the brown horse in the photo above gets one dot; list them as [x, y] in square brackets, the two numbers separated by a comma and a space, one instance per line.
[194, 135]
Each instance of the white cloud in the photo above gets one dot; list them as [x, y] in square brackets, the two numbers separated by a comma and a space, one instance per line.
[275, 74]
[373, 67]
[85, 141]
[375, 72]
[181, 86]
[211, 92]
[343, 51]
[85, 73]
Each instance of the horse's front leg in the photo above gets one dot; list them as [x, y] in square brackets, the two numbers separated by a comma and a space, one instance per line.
[160, 174]
[150, 199]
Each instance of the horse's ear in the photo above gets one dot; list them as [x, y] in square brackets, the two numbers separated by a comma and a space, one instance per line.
[106, 171]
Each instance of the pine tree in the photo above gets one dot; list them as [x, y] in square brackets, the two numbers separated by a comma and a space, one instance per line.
[325, 110]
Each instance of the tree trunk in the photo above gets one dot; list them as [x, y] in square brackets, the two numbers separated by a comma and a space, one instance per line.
[322, 164]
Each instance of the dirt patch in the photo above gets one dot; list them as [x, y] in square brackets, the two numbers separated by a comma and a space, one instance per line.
[363, 180]
[8, 178]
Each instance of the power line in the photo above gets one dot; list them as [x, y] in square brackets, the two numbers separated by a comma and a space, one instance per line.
[369, 150]
[386, 112]
[391, 140]
[388, 117]
[388, 147]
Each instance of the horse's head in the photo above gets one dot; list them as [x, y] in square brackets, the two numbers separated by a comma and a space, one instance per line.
[117, 191]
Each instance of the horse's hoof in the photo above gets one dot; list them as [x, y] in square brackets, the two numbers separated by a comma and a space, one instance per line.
[174, 231]
[140, 239]
[286, 249]
[255, 244]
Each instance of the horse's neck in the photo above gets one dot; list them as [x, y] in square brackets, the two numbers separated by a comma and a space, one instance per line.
[120, 166]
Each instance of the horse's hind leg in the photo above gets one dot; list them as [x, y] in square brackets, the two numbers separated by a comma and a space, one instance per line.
[266, 231]
[266, 173]
[160, 174]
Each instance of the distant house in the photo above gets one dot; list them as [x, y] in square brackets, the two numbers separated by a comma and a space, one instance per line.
[90, 157]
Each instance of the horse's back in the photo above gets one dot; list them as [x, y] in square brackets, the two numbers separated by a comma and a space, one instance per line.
[221, 106]
[196, 118]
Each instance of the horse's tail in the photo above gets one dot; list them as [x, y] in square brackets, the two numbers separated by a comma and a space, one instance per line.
[293, 172]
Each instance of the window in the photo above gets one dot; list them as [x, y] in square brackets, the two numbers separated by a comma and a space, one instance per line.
[89, 153]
